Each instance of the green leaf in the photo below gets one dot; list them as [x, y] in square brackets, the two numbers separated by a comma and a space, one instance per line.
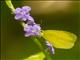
[39, 56]
[60, 39]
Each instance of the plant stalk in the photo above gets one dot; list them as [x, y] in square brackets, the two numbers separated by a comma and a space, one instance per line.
[36, 40]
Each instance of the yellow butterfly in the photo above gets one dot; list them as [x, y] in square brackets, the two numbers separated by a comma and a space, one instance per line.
[60, 39]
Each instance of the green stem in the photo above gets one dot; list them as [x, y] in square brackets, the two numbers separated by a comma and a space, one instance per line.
[10, 5]
[42, 49]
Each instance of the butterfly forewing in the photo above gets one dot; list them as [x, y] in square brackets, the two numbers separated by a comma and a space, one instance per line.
[60, 39]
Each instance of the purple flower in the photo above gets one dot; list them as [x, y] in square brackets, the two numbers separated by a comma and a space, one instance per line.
[23, 10]
[32, 30]
[50, 47]
[31, 22]
[23, 13]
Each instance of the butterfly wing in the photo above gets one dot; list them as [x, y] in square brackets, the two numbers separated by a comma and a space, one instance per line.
[60, 39]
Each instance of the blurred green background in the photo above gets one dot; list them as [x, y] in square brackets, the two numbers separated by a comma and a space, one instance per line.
[14, 46]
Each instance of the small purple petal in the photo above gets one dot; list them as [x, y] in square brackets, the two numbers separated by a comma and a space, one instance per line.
[30, 18]
[18, 16]
[24, 17]
[27, 17]
[37, 33]
[17, 11]
[37, 27]
[27, 27]
[26, 9]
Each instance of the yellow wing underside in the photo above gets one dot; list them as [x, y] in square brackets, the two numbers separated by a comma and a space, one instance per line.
[60, 39]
